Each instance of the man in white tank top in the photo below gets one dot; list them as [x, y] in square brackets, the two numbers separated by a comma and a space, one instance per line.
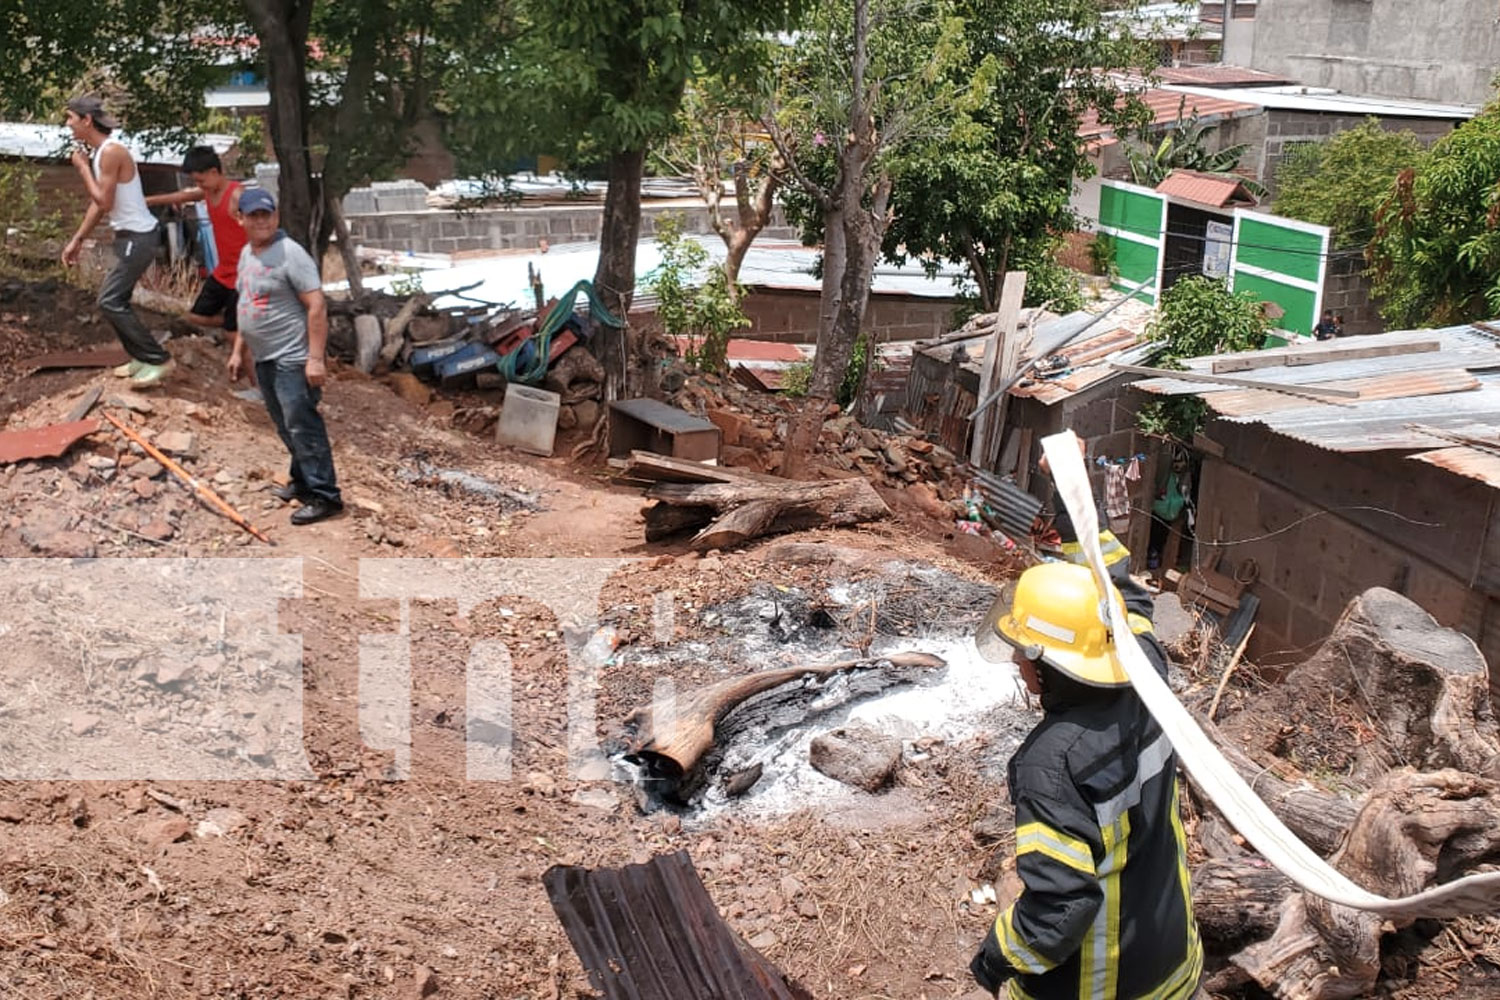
[114, 187]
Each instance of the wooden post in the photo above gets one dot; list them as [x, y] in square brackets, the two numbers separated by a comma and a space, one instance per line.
[1001, 355]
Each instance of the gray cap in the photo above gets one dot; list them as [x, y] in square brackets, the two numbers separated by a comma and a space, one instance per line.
[92, 106]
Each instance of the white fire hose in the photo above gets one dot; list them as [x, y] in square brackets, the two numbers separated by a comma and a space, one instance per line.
[1215, 775]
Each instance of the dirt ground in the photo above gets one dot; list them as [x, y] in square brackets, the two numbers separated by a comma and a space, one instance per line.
[346, 882]
[359, 871]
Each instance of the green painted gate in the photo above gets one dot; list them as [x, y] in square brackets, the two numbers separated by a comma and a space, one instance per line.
[1135, 218]
[1282, 261]
[1275, 259]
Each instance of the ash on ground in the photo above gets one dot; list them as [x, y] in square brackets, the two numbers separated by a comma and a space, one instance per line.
[905, 607]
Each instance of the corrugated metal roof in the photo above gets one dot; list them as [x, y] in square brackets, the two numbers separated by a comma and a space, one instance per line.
[1168, 107]
[1385, 424]
[1205, 189]
[1427, 401]
[1218, 76]
[1461, 347]
[1248, 402]
[36, 141]
[1331, 102]
[1467, 462]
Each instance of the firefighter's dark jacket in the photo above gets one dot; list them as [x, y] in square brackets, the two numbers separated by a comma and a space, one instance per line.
[1106, 911]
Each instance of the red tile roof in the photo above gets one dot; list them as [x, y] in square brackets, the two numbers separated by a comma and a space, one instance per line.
[1167, 107]
[1205, 189]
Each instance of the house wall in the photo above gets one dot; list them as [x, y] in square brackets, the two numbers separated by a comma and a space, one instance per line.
[1323, 527]
[792, 316]
[1347, 292]
[1437, 50]
[445, 231]
[1271, 135]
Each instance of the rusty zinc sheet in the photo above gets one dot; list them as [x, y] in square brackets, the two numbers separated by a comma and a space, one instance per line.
[1248, 402]
[651, 932]
[43, 442]
[105, 357]
[1468, 462]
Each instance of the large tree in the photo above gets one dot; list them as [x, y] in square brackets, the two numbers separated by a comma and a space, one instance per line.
[993, 194]
[718, 140]
[599, 82]
[349, 81]
[865, 79]
[1435, 257]
[1341, 182]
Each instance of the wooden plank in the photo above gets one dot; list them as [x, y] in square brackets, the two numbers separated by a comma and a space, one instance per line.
[1301, 356]
[1023, 463]
[649, 466]
[1007, 327]
[1241, 383]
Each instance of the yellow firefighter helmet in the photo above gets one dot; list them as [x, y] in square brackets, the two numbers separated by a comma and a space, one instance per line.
[1053, 614]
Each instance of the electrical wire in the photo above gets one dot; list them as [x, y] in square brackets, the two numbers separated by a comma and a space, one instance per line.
[1301, 520]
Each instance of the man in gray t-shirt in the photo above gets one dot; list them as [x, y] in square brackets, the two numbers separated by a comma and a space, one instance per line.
[283, 323]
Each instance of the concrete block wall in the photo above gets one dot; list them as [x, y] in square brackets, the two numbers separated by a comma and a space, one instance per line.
[1347, 291]
[1313, 556]
[1286, 128]
[1440, 51]
[401, 220]
[792, 316]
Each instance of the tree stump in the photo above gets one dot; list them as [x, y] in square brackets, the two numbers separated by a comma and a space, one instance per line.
[1422, 688]
[1414, 830]
[739, 512]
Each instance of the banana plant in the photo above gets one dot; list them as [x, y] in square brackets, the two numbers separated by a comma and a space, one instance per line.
[1184, 146]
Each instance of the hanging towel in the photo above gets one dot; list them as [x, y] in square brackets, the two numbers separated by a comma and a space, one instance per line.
[1133, 470]
[1116, 491]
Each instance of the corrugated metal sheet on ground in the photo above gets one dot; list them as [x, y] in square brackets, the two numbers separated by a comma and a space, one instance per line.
[1248, 402]
[1384, 424]
[1462, 347]
[1468, 462]
[651, 932]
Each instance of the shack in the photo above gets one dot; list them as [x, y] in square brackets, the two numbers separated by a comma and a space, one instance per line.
[1367, 463]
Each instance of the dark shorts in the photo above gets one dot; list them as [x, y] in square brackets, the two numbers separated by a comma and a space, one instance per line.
[214, 298]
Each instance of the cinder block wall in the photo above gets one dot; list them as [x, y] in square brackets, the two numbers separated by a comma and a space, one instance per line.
[1347, 291]
[1323, 527]
[432, 230]
[792, 316]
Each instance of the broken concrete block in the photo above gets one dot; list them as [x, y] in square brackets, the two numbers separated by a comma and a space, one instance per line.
[180, 443]
[857, 755]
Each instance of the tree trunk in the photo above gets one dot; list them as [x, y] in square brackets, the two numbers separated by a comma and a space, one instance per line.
[1238, 901]
[281, 27]
[737, 244]
[751, 509]
[614, 278]
[805, 425]
[671, 745]
[335, 209]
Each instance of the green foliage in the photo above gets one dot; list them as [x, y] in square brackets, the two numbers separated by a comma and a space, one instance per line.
[29, 238]
[1102, 256]
[1341, 183]
[994, 189]
[1184, 146]
[1435, 257]
[251, 145]
[1198, 316]
[1050, 283]
[139, 54]
[861, 363]
[796, 379]
[702, 310]
[586, 79]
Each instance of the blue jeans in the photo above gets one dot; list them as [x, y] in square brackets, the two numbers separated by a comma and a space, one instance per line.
[134, 253]
[293, 405]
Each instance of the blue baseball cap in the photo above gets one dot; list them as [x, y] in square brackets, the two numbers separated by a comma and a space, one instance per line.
[256, 200]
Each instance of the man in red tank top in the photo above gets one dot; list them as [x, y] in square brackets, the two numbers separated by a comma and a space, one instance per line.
[215, 305]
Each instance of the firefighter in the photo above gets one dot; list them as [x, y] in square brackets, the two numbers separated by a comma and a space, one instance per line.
[1105, 908]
